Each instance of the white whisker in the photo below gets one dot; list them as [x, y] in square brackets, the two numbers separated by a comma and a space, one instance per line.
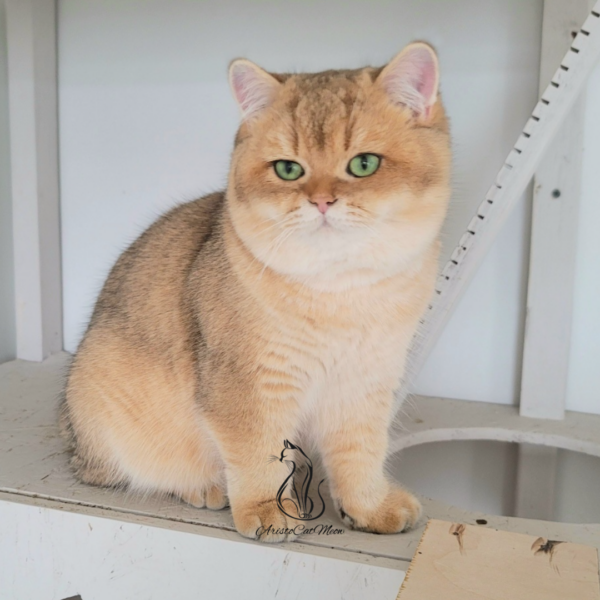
[284, 222]
[278, 223]
[277, 243]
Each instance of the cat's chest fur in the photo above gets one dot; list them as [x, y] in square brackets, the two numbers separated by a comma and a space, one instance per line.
[341, 346]
[305, 344]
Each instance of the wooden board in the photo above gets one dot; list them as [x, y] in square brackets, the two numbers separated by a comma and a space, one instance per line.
[467, 562]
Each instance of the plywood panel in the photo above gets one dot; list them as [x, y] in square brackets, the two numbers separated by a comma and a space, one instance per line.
[467, 562]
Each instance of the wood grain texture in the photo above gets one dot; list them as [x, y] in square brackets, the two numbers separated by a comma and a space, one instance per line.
[466, 562]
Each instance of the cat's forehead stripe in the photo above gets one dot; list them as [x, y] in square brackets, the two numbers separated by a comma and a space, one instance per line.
[320, 102]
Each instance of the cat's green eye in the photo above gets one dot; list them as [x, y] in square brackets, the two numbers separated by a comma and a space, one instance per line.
[364, 165]
[288, 170]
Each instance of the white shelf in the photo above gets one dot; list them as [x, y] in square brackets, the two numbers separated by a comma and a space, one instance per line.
[437, 420]
[35, 469]
[35, 465]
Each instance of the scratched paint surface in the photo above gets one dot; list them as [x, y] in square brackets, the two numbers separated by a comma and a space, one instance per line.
[50, 554]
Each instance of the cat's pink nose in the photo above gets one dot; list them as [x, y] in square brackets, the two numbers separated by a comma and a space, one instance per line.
[322, 202]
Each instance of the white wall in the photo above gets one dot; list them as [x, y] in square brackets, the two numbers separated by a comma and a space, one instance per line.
[583, 392]
[481, 476]
[477, 476]
[146, 120]
[7, 302]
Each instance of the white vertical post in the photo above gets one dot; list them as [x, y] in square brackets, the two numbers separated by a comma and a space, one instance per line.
[32, 78]
[536, 482]
[554, 232]
[551, 272]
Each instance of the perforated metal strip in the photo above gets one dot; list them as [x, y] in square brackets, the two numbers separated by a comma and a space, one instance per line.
[510, 183]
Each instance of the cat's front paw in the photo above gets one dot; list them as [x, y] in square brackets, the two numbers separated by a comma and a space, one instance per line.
[263, 521]
[399, 511]
[213, 497]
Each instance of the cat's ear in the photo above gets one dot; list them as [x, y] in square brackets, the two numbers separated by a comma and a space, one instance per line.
[412, 78]
[253, 88]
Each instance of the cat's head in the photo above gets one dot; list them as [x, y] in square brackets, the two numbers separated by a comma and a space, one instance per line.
[287, 453]
[340, 177]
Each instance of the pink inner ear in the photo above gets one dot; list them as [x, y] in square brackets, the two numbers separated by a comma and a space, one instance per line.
[241, 80]
[427, 75]
[413, 78]
[252, 89]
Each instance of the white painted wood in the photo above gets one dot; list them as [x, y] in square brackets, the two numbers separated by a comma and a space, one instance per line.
[35, 469]
[31, 34]
[472, 474]
[441, 419]
[510, 183]
[428, 420]
[56, 554]
[555, 222]
[536, 482]
[584, 379]
[7, 292]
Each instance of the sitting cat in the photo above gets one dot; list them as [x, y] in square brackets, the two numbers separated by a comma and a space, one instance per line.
[283, 305]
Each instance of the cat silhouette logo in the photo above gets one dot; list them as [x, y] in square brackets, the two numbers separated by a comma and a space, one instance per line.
[293, 497]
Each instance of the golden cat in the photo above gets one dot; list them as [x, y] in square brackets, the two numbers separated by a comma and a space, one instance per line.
[281, 307]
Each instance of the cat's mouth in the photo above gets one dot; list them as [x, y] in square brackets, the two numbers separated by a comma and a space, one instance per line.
[334, 227]
[325, 223]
